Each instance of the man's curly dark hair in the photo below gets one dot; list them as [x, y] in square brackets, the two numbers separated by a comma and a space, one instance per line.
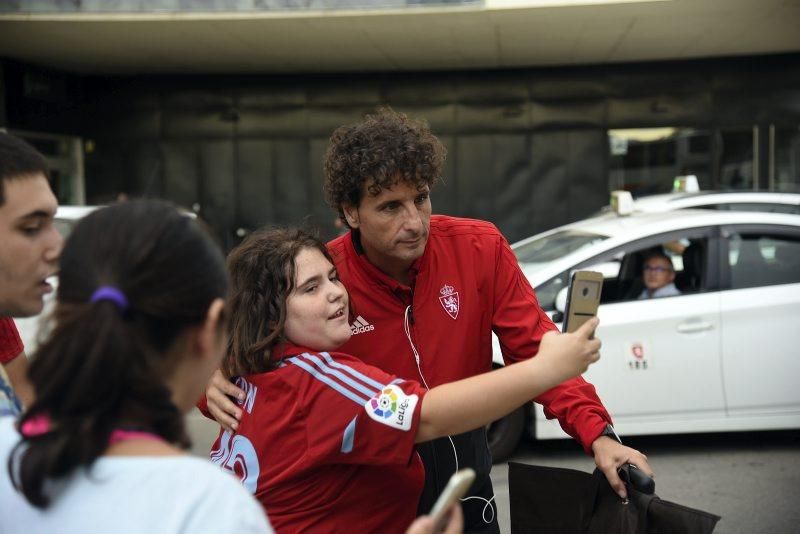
[380, 150]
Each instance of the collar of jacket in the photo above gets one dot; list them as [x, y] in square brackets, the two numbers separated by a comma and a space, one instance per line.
[286, 349]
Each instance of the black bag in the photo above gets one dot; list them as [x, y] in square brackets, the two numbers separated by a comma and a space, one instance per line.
[551, 500]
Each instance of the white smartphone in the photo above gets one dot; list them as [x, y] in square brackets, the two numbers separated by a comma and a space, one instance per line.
[583, 299]
[456, 488]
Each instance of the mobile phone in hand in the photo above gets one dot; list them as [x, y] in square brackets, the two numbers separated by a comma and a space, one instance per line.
[583, 298]
[456, 488]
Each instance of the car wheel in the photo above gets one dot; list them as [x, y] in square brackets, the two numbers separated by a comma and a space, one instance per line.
[504, 434]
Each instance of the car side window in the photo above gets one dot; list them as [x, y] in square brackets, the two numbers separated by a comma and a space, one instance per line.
[687, 255]
[760, 259]
[546, 293]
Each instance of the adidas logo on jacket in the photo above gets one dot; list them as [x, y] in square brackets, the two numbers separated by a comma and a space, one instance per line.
[360, 325]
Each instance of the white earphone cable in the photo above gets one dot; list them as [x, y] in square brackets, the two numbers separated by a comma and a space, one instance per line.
[488, 502]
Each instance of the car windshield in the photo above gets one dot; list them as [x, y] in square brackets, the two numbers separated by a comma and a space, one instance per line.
[555, 246]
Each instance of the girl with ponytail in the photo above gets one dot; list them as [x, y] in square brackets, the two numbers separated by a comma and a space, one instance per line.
[137, 330]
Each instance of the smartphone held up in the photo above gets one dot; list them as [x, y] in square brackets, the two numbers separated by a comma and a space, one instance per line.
[456, 488]
[583, 299]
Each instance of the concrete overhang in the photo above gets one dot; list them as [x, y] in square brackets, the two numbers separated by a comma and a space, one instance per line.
[495, 34]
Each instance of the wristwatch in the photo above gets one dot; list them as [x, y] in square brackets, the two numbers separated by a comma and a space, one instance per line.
[609, 431]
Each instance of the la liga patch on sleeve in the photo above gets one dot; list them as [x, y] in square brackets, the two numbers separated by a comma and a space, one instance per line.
[392, 407]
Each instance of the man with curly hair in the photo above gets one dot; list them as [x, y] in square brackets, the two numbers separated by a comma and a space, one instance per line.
[428, 291]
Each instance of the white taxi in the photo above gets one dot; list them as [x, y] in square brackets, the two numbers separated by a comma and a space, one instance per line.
[765, 201]
[720, 356]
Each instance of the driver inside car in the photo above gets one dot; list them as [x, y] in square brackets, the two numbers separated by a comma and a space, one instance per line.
[658, 274]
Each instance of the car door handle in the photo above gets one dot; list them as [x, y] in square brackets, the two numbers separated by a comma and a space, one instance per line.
[698, 326]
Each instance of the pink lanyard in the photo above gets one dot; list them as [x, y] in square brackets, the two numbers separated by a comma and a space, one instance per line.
[40, 424]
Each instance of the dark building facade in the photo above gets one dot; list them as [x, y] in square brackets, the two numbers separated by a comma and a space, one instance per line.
[528, 149]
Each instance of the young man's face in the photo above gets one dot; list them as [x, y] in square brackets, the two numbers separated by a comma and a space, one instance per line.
[657, 273]
[393, 224]
[30, 245]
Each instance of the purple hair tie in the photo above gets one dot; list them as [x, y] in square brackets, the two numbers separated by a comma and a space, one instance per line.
[110, 293]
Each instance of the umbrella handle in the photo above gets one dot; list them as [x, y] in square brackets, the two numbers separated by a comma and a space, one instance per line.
[635, 478]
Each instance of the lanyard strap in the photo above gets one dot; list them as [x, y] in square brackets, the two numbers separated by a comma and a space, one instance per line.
[40, 424]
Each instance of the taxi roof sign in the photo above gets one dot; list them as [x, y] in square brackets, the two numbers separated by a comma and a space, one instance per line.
[622, 202]
[685, 184]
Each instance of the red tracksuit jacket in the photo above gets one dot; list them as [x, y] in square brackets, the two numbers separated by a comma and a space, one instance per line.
[466, 285]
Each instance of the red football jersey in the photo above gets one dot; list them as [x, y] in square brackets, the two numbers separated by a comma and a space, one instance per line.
[10, 342]
[326, 444]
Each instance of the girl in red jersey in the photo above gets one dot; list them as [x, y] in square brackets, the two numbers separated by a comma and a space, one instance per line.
[326, 442]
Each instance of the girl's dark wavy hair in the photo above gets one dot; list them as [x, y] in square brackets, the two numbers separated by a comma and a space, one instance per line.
[262, 273]
[102, 368]
[377, 152]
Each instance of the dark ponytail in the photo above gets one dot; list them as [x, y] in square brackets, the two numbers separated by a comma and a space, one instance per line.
[104, 364]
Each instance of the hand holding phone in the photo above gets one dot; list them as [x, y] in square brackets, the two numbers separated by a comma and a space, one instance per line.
[456, 488]
[583, 299]
[425, 525]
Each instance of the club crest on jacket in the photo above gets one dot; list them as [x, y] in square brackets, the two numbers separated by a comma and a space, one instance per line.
[449, 300]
